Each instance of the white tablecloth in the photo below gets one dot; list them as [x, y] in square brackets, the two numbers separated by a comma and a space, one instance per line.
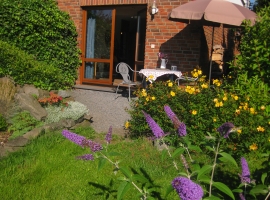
[158, 72]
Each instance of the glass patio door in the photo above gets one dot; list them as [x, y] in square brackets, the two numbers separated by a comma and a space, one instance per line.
[97, 51]
[140, 42]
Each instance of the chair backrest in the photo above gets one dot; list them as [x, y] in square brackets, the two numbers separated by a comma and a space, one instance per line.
[123, 69]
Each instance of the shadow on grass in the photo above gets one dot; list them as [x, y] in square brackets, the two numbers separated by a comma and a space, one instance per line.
[106, 191]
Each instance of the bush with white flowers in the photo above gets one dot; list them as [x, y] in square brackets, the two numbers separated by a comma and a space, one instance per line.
[74, 110]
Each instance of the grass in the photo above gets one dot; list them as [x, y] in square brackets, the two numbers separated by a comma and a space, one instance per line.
[46, 169]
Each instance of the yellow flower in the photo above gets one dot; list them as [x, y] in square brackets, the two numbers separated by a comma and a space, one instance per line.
[194, 112]
[147, 98]
[204, 85]
[218, 104]
[262, 107]
[150, 77]
[252, 110]
[216, 82]
[237, 111]
[172, 93]
[253, 147]
[214, 119]
[215, 100]
[225, 98]
[195, 74]
[153, 98]
[199, 72]
[239, 131]
[127, 124]
[260, 129]
[235, 97]
[170, 84]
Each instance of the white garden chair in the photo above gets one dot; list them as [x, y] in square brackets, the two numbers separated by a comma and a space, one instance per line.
[123, 69]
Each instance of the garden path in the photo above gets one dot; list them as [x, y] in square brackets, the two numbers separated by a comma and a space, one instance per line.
[106, 108]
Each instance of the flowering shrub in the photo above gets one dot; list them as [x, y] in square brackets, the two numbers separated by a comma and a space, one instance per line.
[192, 182]
[74, 111]
[53, 99]
[245, 102]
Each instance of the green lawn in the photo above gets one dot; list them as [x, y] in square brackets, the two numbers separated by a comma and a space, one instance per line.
[47, 169]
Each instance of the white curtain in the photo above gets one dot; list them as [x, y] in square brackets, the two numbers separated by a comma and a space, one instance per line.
[90, 46]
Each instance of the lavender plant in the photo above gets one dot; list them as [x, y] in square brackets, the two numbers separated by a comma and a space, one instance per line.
[196, 181]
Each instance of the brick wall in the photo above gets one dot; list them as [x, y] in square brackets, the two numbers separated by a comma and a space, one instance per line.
[181, 41]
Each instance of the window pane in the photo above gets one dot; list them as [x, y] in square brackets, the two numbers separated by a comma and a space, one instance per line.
[98, 33]
[97, 70]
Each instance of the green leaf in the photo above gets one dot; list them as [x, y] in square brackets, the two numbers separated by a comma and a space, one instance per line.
[205, 169]
[195, 148]
[259, 189]
[205, 179]
[177, 152]
[264, 175]
[223, 188]
[238, 190]
[211, 198]
[126, 172]
[140, 178]
[169, 190]
[123, 188]
[163, 154]
[229, 158]
[101, 163]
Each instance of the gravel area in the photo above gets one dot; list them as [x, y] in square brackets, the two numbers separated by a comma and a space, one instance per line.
[106, 108]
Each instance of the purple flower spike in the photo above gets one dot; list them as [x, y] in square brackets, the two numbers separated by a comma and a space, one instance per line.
[86, 157]
[187, 189]
[245, 176]
[182, 131]
[73, 137]
[157, 131]
[108, 137]
[180, 126]
[242, 196]
[169, 112]
[93, 145]
[225, 129]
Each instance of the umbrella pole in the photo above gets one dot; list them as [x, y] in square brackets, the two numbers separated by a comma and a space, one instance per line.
[210, 68]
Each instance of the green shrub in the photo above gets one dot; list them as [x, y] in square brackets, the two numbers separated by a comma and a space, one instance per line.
[202, 109]
[41, 29]
[22, 123]
[25, 69]
[254, 48]
[3, 123]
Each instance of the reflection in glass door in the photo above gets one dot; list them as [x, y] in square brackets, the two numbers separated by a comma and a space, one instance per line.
[140, 42]
[98, 51]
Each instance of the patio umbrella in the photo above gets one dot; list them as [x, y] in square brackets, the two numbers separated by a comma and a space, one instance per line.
[213, 12]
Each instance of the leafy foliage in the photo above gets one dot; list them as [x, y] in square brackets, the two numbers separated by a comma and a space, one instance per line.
[25, 69]
[22, 123]
[244, 103]
[3, 123]
[41, 29]
[254, 47]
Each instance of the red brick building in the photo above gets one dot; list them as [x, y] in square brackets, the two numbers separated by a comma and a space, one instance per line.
[112, 31]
